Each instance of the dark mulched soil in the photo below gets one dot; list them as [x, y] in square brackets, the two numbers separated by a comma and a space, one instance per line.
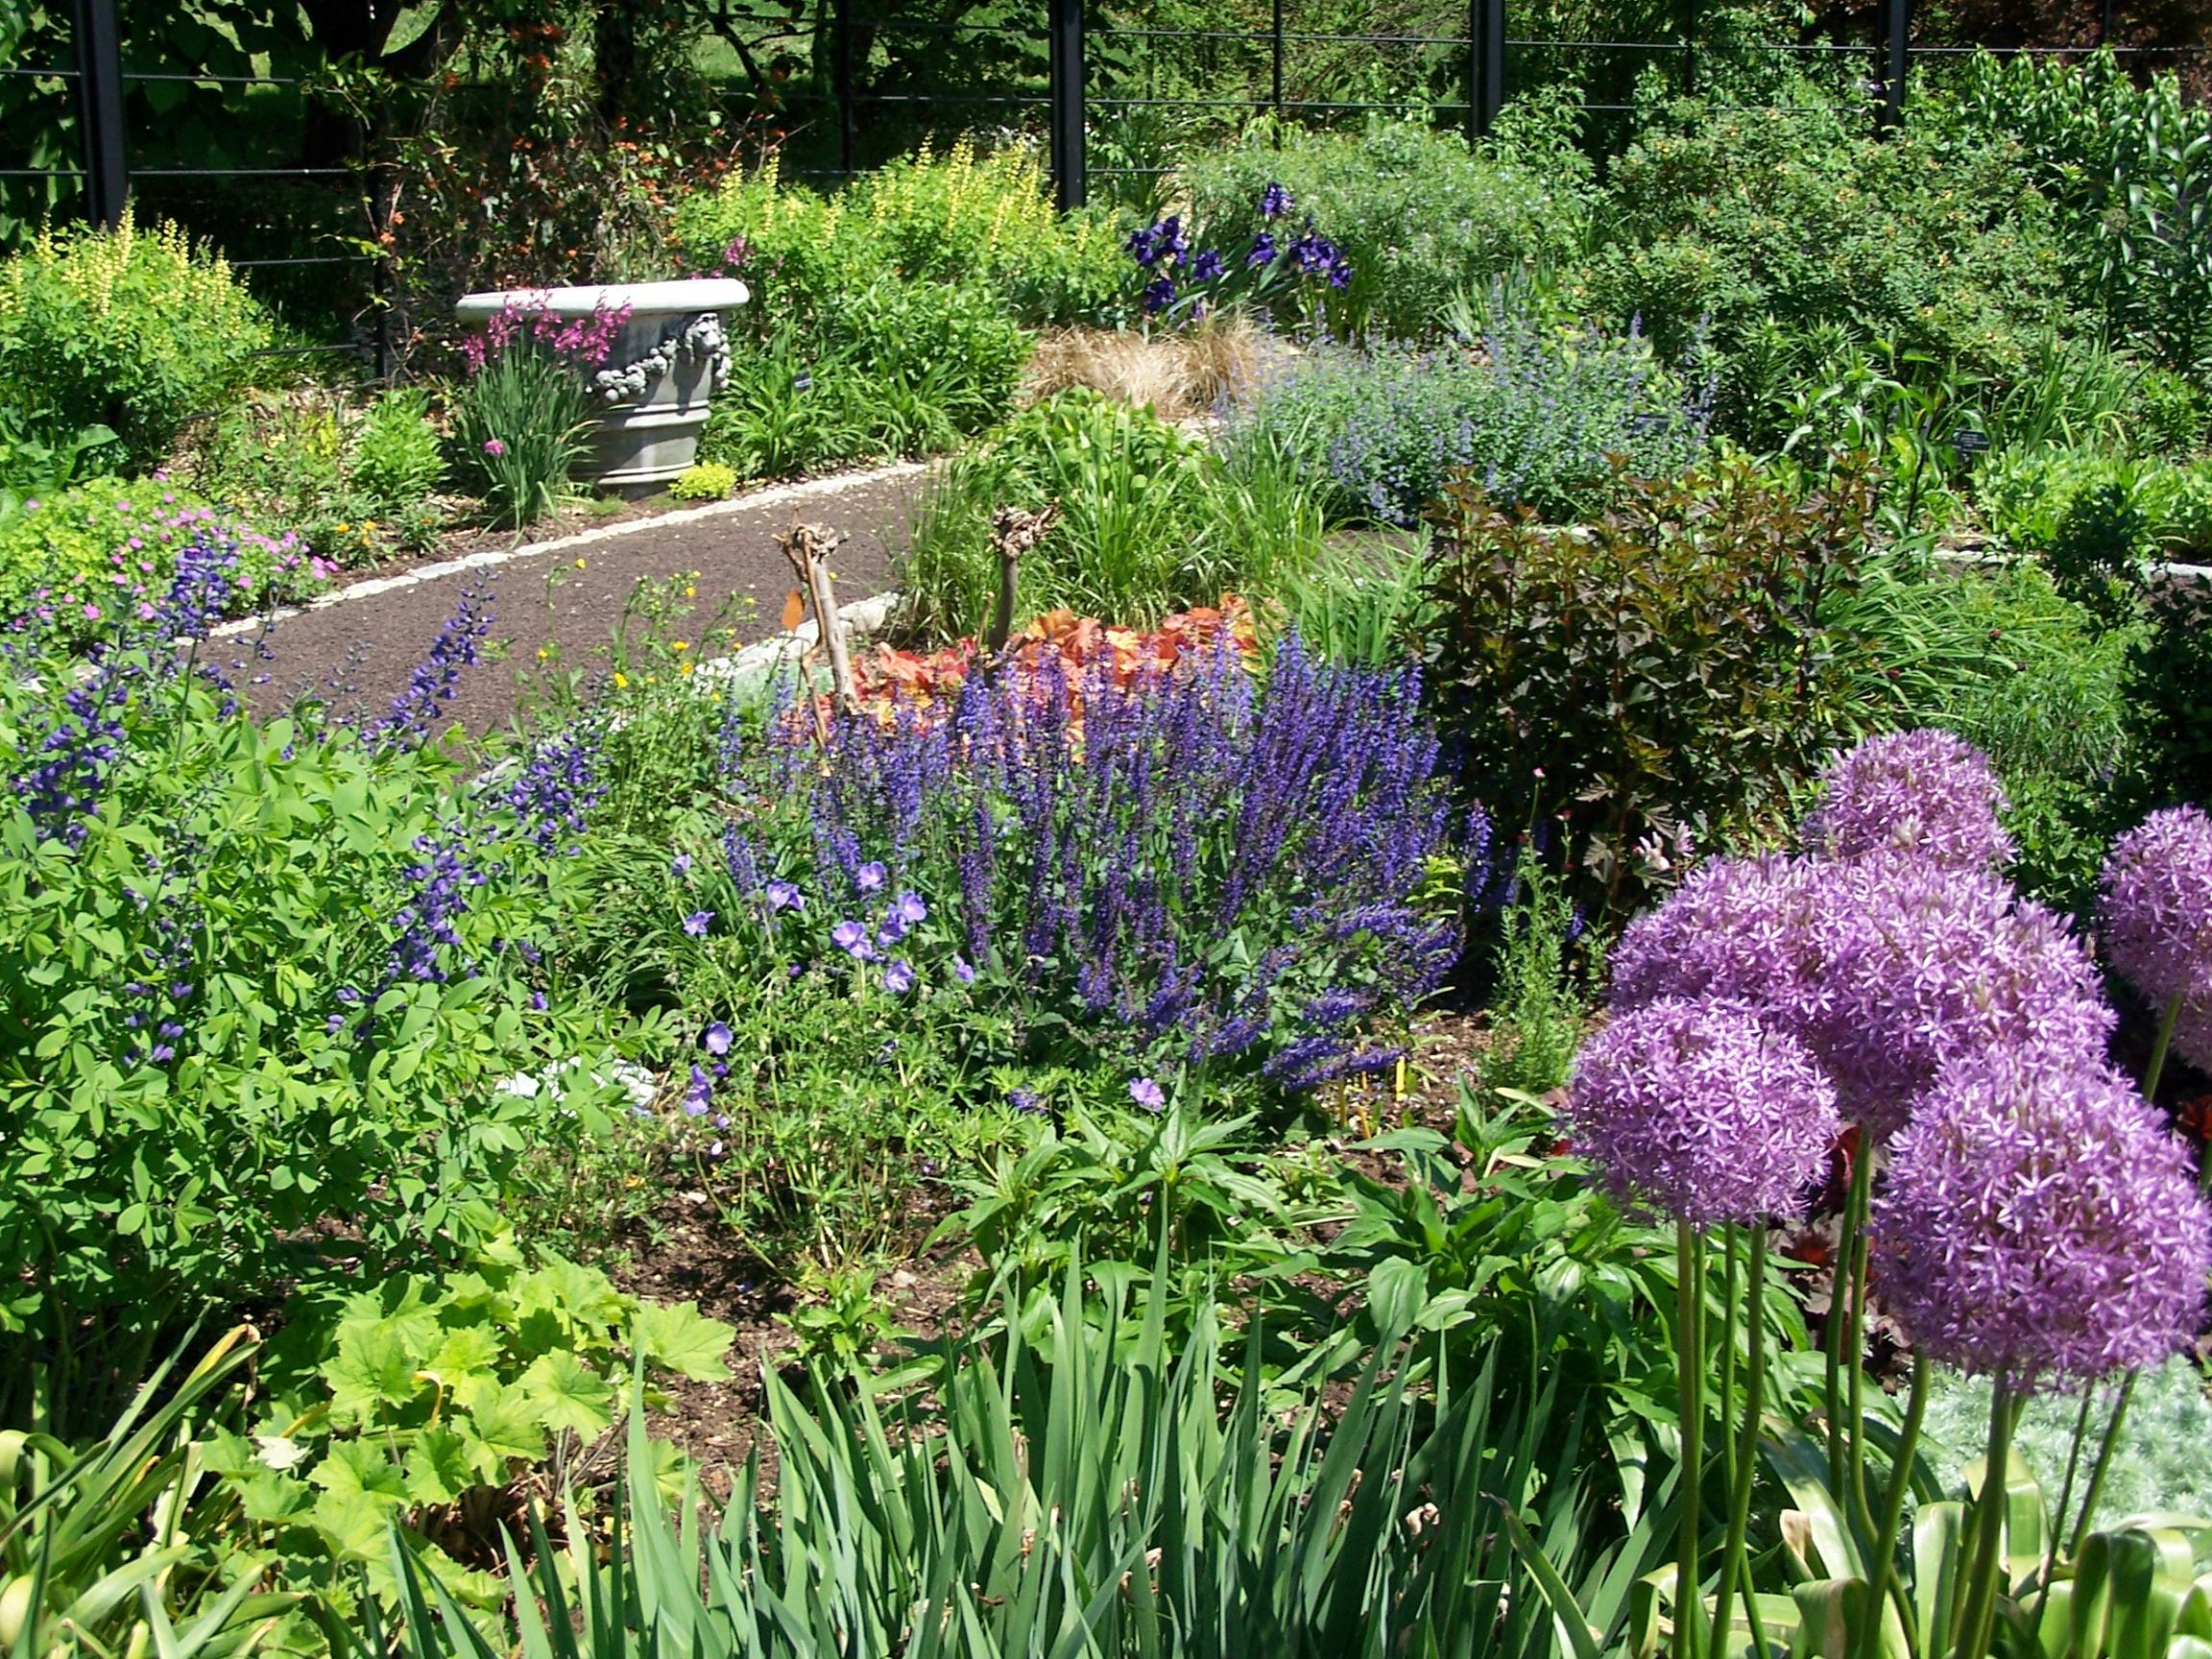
[358, 655]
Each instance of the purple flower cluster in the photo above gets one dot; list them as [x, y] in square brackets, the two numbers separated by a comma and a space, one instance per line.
[556, 784]
[75, 755]
[1107, 861]
[2037, 1221]
[436, 678]
[444, 873]
[583, 341]
[1162, 251]
[1703, 1111]
[2155, 920]
[2039, 1224]
[1926, 793]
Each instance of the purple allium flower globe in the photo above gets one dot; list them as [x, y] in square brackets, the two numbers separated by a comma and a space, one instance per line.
[1699, 1110]
[2155, 920]
[1925, 966]
[1929, 794]
[2041, 1225]
[1745, 932]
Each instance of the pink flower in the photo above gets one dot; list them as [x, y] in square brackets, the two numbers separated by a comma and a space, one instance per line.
[492, 447]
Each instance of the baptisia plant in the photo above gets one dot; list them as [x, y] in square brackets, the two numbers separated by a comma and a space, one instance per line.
[2019, 1207]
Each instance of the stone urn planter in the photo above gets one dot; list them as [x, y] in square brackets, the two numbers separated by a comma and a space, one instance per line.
[667, 360]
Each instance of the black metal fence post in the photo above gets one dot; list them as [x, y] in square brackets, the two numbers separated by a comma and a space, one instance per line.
[1064, 41]
[1275, 86]
[98, 44]
[841, 86]
[1896, 57]
[1486, 65]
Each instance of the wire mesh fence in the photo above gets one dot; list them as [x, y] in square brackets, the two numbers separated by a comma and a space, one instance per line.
[281, 172]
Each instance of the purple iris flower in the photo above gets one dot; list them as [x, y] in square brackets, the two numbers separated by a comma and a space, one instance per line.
[1262, 252]
[1274, 202]
[1206, 266]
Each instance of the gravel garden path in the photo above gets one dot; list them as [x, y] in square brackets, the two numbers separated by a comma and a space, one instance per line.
[357, 648]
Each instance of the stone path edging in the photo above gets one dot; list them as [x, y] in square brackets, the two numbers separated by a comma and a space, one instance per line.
[772, 495]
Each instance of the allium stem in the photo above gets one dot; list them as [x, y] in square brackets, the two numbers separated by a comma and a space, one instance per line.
[1846, 1277]
[1978, 1609]
[1882, 1581]
[2152, 1071]
[1862, 1181]
[1690, 1369]
[1727, 1400]
[1745, 1456]
[2103, 1465]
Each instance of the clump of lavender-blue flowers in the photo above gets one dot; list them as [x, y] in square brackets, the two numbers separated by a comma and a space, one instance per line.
[2040, 1225]
[1698, 1110]
[1928, 793]
[1192, 867]
[2155, 921]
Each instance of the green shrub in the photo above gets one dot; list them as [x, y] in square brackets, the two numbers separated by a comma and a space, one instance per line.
[2130, 168]
[1658, 680]
[1150, 521]
[965, 220]
[892, 368]
[2033, 679]
[1358, 604]
[134, 329]
[2031, 497]
[1784, 235]
[1419, 216]
[102, 554]
[234, 1034]
[36, 463]
[707, 482]
[392, 458]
